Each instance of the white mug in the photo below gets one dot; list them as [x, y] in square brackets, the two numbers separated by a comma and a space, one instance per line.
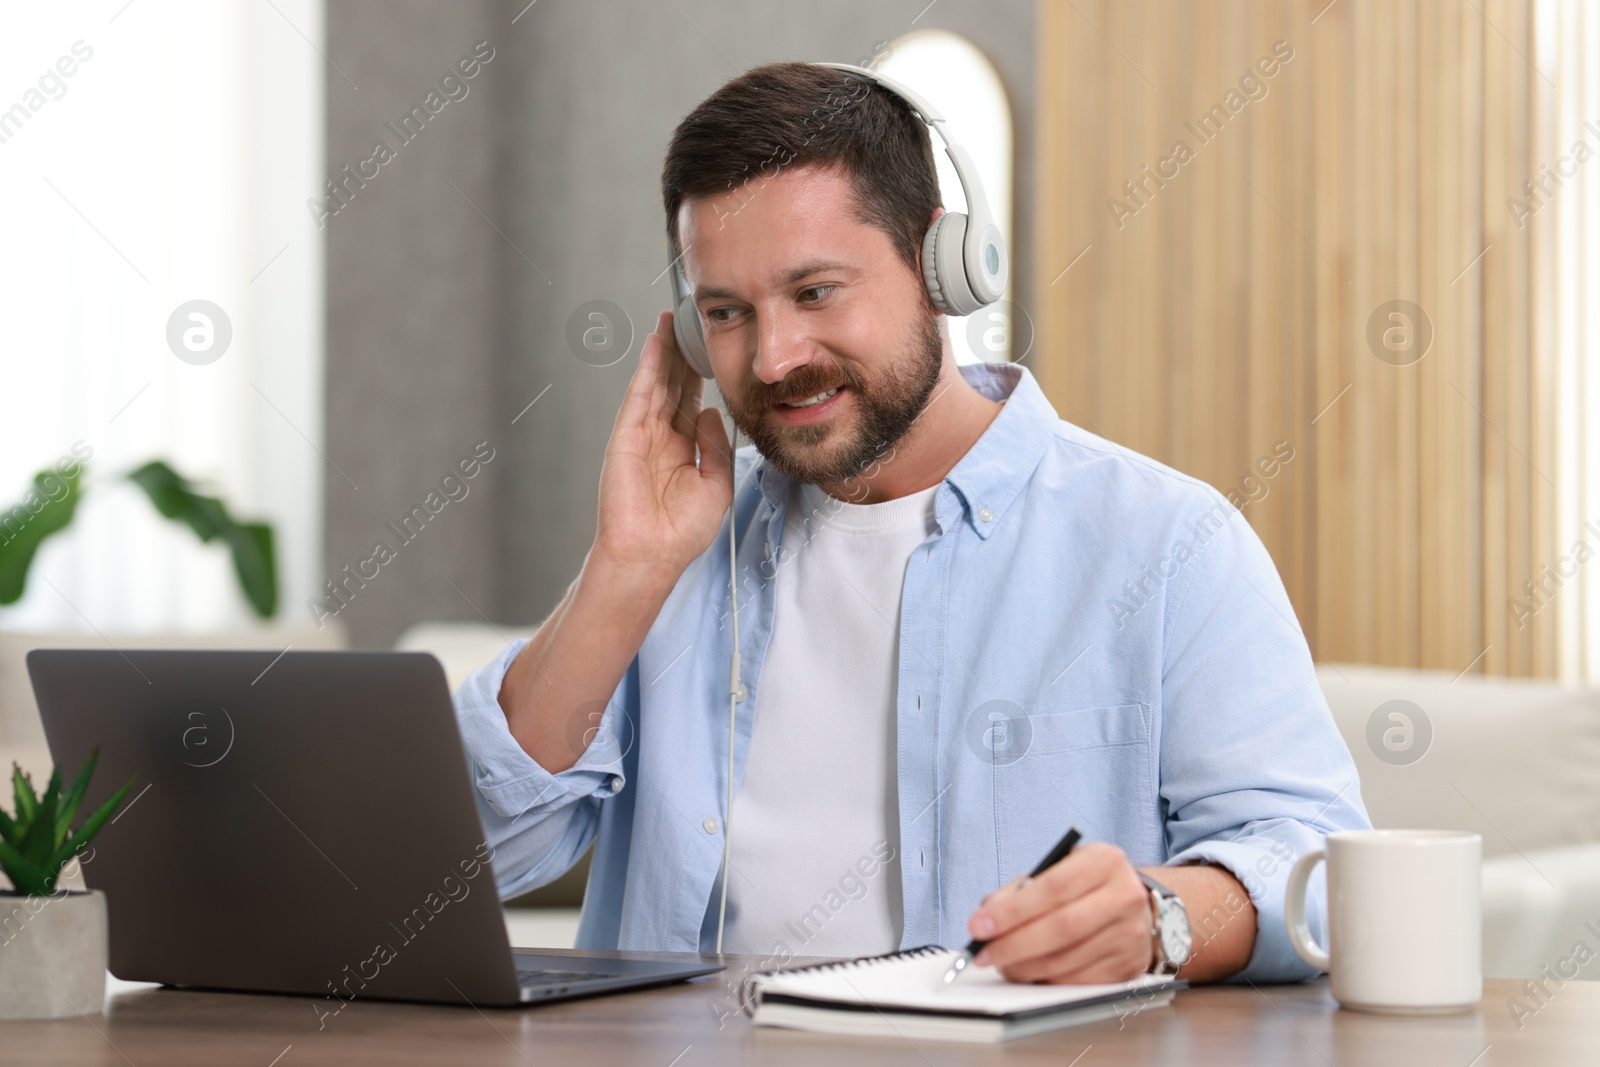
[1405, 919]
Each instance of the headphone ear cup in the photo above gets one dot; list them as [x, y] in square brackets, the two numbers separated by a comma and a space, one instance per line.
[943, 270]
[691, 342]
[930, 266]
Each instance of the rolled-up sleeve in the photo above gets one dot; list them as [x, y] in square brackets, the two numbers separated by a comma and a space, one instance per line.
[1254, 771]
[538, 823]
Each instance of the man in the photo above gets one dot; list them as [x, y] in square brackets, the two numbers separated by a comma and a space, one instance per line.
[965, 623]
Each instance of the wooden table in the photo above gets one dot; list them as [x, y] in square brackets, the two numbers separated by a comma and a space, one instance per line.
[686, 1026]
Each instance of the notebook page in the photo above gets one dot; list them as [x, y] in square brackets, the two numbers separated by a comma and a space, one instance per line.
[914, 982]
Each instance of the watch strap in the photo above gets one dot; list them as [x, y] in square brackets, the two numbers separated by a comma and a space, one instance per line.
[1160, 963]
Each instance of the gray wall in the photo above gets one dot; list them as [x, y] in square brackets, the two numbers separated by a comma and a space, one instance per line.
[441, 329]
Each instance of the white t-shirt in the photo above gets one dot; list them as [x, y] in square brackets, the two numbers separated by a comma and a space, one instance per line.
[816, 826]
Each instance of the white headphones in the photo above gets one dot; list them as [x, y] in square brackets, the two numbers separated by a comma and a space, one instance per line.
[964, 263]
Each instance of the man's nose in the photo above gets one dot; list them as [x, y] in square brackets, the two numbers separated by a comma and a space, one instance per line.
[782, 344]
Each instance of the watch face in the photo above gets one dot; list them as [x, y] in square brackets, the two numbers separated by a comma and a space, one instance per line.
[1175, 935]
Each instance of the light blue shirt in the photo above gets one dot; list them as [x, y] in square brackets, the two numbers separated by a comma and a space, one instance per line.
[1089, 638]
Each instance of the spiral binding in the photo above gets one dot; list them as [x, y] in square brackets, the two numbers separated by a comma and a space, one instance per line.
[750, 988]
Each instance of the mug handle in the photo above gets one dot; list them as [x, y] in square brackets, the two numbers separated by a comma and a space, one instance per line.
[1294, 912]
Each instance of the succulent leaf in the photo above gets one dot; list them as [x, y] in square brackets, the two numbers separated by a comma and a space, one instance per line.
[69, 803]
[37, 843]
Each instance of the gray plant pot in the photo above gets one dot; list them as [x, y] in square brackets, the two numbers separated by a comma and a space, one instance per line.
[52, 955]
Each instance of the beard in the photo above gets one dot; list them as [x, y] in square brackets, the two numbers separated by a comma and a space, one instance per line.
[838, 448]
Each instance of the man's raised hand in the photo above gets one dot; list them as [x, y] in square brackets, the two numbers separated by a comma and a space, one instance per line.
[657, 506]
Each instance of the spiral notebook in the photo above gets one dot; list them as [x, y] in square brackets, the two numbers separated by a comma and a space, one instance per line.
[900, 994]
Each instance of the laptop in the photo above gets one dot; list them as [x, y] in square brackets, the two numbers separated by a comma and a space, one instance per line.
[299, 822]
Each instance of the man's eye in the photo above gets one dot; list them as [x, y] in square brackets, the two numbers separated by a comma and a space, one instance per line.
[721, 314]
[815, 294]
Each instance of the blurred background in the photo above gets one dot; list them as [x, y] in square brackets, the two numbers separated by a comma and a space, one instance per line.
[1211, 208]
[1338, 259]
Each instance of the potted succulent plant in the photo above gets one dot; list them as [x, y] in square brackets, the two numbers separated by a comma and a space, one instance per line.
[52, 940]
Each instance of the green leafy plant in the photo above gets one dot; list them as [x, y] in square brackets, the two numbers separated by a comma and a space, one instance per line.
[249, 542]
[50, 506]
[24, 526]
[38, 842]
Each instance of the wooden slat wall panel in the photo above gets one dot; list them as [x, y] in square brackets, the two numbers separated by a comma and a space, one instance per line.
[1437, 53]
[1543, 632]
[1334, 419]
[1508, 555]
[1297, 560]
[1227, 311]
[1403, 644]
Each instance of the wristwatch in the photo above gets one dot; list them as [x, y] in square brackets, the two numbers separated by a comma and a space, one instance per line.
[1169, 928]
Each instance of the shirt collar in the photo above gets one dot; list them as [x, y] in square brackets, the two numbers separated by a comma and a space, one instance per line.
[988, 479]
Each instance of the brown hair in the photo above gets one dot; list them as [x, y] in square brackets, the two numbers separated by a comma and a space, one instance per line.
[794, 114]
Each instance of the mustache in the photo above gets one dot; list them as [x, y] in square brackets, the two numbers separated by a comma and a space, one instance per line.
[801, 383]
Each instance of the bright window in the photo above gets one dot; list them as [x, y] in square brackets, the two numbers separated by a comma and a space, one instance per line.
[1568, 55]
[153, 154]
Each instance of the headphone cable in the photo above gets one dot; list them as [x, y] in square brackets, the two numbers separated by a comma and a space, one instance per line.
[736, 693]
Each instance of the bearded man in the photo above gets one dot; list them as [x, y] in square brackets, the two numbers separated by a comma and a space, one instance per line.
[967, 623]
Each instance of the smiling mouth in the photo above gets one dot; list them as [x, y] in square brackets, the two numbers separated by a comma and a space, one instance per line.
[810, 401]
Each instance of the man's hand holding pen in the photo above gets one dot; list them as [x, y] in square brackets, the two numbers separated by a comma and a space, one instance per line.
[1089, 918]
[1085, 919]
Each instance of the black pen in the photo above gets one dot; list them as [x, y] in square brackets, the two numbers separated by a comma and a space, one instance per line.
[1057, 854]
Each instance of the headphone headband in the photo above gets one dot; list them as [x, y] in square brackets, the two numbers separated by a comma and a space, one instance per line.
[966, 172]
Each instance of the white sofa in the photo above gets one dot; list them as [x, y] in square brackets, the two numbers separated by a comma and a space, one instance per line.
[1517, 761]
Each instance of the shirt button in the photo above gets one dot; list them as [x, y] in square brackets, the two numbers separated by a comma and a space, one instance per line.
[985, 514]
[710, 824]
[616, 784]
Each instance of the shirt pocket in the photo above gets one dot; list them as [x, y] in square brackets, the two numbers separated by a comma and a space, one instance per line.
[1072, 729]
[1083, 767]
